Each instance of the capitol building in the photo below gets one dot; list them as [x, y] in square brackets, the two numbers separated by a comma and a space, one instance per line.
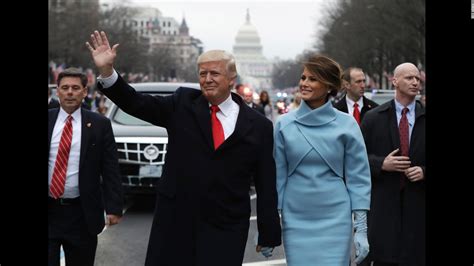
[253, 68]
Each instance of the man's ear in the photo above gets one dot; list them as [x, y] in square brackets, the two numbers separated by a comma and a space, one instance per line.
[85, 91]
[232, 83]
[394, 82]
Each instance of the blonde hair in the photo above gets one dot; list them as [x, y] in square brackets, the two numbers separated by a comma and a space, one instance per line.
[219, 55]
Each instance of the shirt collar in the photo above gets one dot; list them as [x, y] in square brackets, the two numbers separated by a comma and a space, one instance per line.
[226, 106]
[76, 115]
[350, 102]
[399, 107]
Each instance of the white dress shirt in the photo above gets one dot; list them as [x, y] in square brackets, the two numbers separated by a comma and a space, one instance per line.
[71, 189]
[350, 105]
[228, 113]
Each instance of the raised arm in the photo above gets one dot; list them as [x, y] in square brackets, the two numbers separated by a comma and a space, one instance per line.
[102, 54]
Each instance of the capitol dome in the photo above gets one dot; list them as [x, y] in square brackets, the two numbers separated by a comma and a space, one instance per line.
[253, 68]
[247, 40]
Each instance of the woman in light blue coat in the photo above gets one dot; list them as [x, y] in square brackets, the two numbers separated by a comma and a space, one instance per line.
[323, 174]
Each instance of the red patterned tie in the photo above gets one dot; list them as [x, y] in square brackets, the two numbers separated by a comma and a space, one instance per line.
[60, 167]
[356, 113]
[217, 131]
[404, 140]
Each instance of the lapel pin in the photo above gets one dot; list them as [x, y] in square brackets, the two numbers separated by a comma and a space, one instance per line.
[89, 124]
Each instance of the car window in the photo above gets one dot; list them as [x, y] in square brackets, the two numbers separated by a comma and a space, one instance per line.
[125, 119]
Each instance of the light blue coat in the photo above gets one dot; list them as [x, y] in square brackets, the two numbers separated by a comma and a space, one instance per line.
[315, 150]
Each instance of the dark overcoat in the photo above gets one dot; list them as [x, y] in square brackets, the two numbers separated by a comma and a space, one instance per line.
[396, 224]
[203, 204]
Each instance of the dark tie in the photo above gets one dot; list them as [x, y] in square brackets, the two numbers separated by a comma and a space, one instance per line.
[60, 167]
[404, 140]
[403, 130]
[217, 130]
[356, 113]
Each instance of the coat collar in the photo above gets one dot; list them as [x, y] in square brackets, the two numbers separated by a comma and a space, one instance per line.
[201, 111]
[315, 117]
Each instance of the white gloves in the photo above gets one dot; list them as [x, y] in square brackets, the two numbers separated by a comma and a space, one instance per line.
[360, 236]
[267, 251]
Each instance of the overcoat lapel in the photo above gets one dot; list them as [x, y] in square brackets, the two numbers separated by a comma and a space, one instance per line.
[201, 110]
[416, 133]
[392, 120]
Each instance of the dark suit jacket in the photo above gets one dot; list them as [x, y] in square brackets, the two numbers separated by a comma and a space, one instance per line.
[53, 103]
[258, 108]
[206, 185]
[368, 105]
[396, 220]
[100, 185]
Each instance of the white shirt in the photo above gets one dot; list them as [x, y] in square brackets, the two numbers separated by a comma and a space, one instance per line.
[229, 110]
[228, 113]
[71, 189]
[108, 81]
[350, 105]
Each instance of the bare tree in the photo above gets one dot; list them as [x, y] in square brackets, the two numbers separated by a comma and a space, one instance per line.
[69, 25]
[133, 48]
[375, 35]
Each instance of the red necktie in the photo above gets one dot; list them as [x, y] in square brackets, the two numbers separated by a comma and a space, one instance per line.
[356, 113]
[217, 130]
[404, 140]
[60, 167]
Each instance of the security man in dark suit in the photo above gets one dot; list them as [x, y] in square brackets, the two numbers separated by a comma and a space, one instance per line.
[355, 103]
[215, 144]
[248, 99]
[394, 135]
[83, 175]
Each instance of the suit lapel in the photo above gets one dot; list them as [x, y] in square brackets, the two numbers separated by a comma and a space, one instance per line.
[417, 132]
[86, 127]
[392, 118]
[367, 106]
[203, 116]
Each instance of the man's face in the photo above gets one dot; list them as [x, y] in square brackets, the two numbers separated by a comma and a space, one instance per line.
[356, 87]
[407, 82]
[248, 95]
[240, 90]
[71, 93]
[215, 81]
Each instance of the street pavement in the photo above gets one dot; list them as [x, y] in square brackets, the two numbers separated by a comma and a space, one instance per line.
[126, 243]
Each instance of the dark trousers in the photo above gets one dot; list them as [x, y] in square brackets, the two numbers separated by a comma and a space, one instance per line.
[67, 228]
[182, 238]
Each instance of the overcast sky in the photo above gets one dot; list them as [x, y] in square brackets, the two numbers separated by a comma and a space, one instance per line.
[285, 28]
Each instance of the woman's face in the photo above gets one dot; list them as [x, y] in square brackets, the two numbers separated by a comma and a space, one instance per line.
[313, 92]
